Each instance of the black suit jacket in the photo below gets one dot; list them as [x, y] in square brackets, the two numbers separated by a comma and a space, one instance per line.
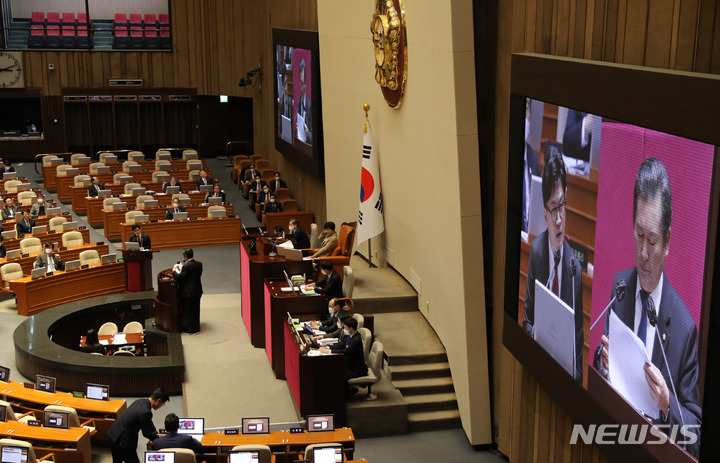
[572, 141]
[273, 185]
[2, 171]
[330, 286]
[24, 229]
[352, 348]
[273, 207]
[677, 328]
[253, 186]
[262, 196]
[167, 184]
[200, 182]
[301, 239]
[171, 212]
[212, 194]
[539, 269]
[144, 240]
[137, 417]
[93, 192]
[189, 279]
[173, 440]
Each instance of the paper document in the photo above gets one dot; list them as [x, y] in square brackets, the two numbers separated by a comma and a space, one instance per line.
[300, 122]
[554, 327]
[287, 245]
[627, 357]
[288, 289]
[119, 338]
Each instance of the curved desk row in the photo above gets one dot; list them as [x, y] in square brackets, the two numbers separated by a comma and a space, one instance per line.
[94, 206]
[179, 234]
[112, 220]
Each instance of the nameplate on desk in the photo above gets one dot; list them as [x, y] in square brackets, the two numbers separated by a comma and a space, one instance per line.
[50, 232]
[25, 255]
[65, 213]
[296, 430]
[85, 266]
[82, 227]
[99, 243]
[192, 218]
[78, 394]
[28, 385]
[49, 273]
[131, 208]
[33, 423]
[231, 432]
[63, 248]
[195, 204]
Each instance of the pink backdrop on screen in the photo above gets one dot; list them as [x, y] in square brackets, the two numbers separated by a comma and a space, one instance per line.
[689, 167]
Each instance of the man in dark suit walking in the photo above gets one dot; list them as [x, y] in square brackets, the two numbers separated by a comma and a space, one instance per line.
[138, 417]
[651, 304]
[188, 276]
[173, 440]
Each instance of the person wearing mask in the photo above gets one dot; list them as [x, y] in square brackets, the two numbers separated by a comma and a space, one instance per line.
[188, 275]
[330, 241]
[273, 205]
[277, 183]
[352, 348]
[203, 179]
[139, 237]
[254, 190]
[176, 207]
[48, 260]
[38, 208]
[216, 193]
[338, 333]
[173, 182]
[301, 239]
[7, 167]
[95, 187]
[250, 174]
[9, 209]
[331, 285]
[173, 440]
[138, 417]
[92, 343]
[25, 225]
[329, 324]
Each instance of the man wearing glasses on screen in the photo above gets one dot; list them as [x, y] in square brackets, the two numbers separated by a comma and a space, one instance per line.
[654, 310]
[551, 258]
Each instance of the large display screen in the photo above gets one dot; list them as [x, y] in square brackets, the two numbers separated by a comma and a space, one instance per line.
[613, 263]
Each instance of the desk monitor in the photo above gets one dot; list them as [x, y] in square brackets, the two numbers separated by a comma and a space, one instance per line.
[72, 171]
[81, 161]
[136, 157]
[55, 162]
[180, 216]
[320, 423]
[67, 226]
[256, 425]
[162, 177]
[159, 457]
[3, 413]
[39, 230]
[218, 214]
[184, 201]
[163, 157]
[150, 203]
[191, 156]
[72, 265]
[286, 129]
[195, 427]
[86, 182]
[290, 254]
[125, 179]
[328, 454]
[9, 235]
[141, 218]
[110, 159]
[215, 200]
[18, 215]
[103, 169]
[132, 246]
[37, 273]
[119, 206]
[108, 258]
[13, 454]
[45, 383]
[138, 191]
[104, 193]
[134, 168]
[23, 187]
[244, 456]
[52, 211]
[10, 176]
[55, 419]
[97, 391]
[5, 374]
[13, 254]
[194, 165]
[206, 188]
[171, 190]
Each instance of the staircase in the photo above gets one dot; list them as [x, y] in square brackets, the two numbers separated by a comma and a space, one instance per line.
[426, 385]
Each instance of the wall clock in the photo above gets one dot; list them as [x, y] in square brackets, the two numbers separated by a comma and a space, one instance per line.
[390, 45]
[12, 73]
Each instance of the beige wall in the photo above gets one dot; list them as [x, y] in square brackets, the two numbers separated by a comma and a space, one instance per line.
[428, 153]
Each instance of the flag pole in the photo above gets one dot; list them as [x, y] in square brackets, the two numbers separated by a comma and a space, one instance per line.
[366, 108]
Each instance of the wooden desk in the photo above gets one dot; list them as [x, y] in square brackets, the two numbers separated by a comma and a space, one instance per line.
[70, 445]
[305, 218]
[104, 412]
[254, 269]
[277, 305]
[79, 194]
[34, 296]
[317, 384]
[72, 253]
[114, 341]
[95, 205]
[8, 225]
[179, 234]
[49, 237]
[113, 219]
[5, 194]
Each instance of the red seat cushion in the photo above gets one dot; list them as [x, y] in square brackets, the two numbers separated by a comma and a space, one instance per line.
[53, 18]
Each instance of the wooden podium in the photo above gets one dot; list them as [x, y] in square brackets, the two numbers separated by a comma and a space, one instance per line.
[168, 315]
[139, 270]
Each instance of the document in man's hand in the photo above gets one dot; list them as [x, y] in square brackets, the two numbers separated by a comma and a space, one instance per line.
[627, 357]
[555, 327]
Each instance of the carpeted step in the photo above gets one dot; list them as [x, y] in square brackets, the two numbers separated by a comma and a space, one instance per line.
[431, 402]
[420, 370]
[424, 386]
[415, 359]
[432, 421]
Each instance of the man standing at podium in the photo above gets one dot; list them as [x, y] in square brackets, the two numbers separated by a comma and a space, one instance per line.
[188, 274]
[143, 239]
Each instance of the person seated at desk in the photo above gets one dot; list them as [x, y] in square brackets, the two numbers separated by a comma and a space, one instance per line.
[139, 237]
[176, 207]
[9, 209]
[216, 193]
[301, 239]
[331, 285]
[203, 179]
[95, 187]
[256, 185]
[25, 225]
[7, 167]
[38, 208]
[250, 174]
[273, 205]
[277, 183]
[173, 440]
[339, 333]
[49, 260]
[92, 343]
[173, 182]
[330, 324]
[352, 348]
[330, 241]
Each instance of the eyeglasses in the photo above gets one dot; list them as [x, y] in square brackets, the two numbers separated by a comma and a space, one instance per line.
[557, 211]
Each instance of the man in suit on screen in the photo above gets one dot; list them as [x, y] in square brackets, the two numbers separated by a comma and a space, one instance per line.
[651, 298]
[551, 257]
[303, 118]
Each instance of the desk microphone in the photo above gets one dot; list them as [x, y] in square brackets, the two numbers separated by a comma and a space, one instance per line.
[652, 318]
[556, 258]
[620, 290]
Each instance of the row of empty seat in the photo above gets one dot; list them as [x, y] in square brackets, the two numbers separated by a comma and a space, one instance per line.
[110, 328]
[141, 31]
[57, 31]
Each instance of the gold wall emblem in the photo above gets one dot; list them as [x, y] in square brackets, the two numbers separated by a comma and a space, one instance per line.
[389, 42]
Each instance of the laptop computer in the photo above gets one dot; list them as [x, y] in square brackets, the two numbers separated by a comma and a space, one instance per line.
[218, 214]
[45, 383]
[194, 165]
[320, 423]
[108, 258]
[104, 193]
[39, 230]
[125, 179]
[141, 218]
[215, 200]
[180, 216]
[110, 158]
[328, 454]
[163, 157]
[72, 171]
[244, 456]
[184, 201]
[4, 374]
[67, 226]
[23, 187]
[163, 177]
[37, 273]
[171, 190]
[10, 175]
[83, 161]
[138, 191]
[103, 169]
[206, 188]
[119, 206]
[9, 235]
[159, 457]
[132, 246]
[18, 215]
[134, 168]
[72, 265]
[97, 391]
[13, 254]
[55, 419]
[256, 425]
[150, 203]
[194, 427]
[52, 211]
[14, 454]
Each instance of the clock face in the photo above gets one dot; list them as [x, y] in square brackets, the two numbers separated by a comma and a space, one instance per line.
[12, 74]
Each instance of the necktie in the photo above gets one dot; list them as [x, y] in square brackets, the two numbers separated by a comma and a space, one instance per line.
[556, 284]
[642, 327]
[51, 265]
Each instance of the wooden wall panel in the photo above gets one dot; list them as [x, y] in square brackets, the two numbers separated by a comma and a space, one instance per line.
[671, 34]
